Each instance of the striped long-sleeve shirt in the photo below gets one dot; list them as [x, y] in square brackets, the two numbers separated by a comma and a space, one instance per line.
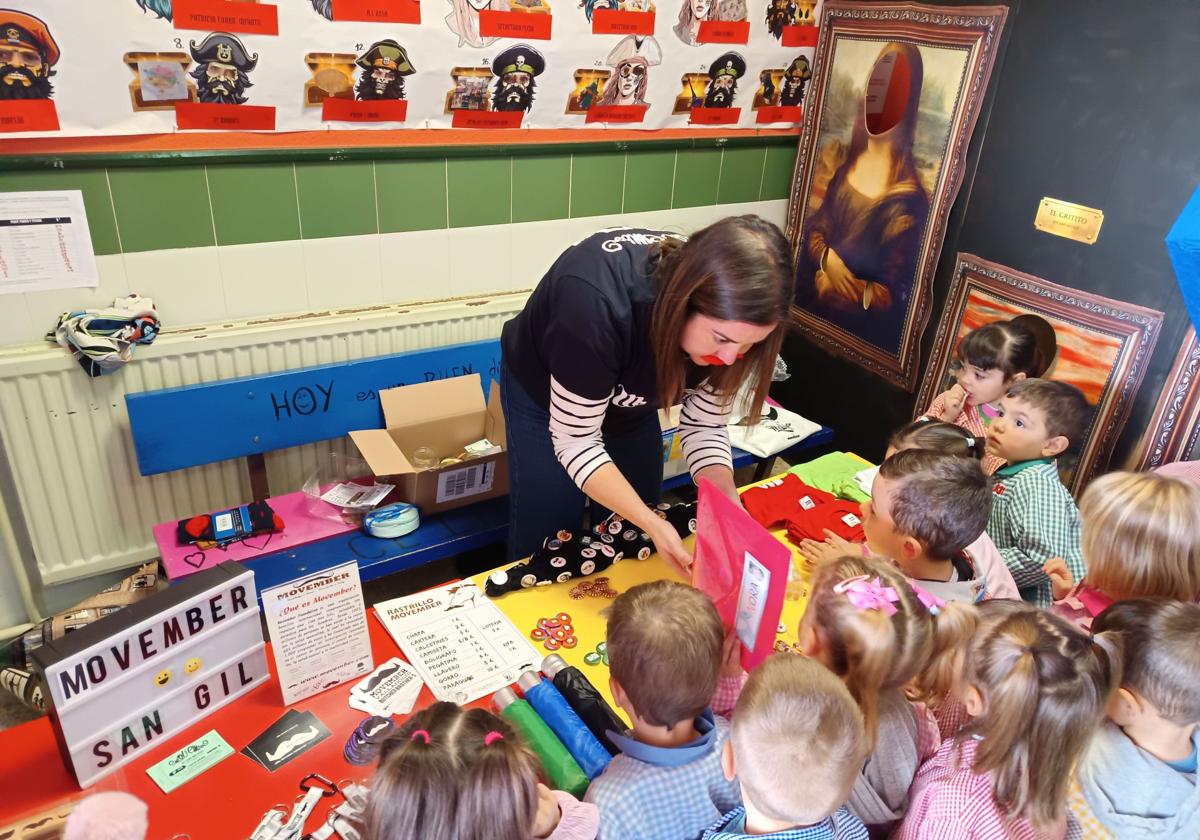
[576, 423]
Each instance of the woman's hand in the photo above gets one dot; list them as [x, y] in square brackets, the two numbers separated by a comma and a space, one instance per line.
[952, 403]
[668, 544]
[548, 812]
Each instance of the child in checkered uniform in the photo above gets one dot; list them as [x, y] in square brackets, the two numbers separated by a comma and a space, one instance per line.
[797, 745]
[668, 657]
[1137, 780]
[867, 624]
[1034, 518]
[1034, 688]
[1141, 539]
[981, 555]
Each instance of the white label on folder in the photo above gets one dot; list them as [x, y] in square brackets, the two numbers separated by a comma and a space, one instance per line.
[752, 600]
[851, 520]
[466, 481]
[806, 503]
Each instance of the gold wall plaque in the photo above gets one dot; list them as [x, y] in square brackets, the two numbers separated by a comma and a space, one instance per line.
[1071, 221]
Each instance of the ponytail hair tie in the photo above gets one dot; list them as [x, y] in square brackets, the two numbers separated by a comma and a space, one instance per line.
[970, 442]
[492, 737]
[421, 734]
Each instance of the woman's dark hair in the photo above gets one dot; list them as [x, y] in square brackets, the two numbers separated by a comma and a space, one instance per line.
[737, 269]
[453, 772]
[1026, 344]
[939, 436]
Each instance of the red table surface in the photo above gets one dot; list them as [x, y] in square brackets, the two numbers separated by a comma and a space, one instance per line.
[222, 803]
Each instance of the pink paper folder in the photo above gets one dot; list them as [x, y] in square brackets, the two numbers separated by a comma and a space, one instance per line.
[299, 527]
[743, 569]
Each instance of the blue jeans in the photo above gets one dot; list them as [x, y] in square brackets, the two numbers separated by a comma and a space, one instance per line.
[542, 499]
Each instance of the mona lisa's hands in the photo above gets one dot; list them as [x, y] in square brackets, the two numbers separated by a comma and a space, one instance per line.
[835, 282]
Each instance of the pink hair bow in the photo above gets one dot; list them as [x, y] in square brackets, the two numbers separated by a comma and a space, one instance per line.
[932, 602]
[867, 594]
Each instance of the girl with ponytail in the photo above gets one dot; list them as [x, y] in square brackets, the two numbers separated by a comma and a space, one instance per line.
[873, 628]
[1034, 690]
[464, 774]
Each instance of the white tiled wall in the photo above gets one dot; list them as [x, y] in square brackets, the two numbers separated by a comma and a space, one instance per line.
[202, 285]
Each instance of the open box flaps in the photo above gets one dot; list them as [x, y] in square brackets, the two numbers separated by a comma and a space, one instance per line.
[445, 416]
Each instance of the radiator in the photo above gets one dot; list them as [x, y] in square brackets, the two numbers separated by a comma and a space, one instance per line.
[74, 498]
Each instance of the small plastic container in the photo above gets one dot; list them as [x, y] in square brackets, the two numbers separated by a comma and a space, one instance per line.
[333, 469]
[424, 458]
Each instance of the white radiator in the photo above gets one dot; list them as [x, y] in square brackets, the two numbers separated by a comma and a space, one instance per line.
[74, 498]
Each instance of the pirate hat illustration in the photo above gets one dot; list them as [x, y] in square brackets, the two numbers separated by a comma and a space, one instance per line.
[389, 55]
[729, 64]
[634, 46]
[18, 29]
[223, 48]
[799, 65]
[519, 59]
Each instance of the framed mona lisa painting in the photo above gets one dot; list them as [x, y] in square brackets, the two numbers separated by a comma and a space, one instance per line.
[895, 94]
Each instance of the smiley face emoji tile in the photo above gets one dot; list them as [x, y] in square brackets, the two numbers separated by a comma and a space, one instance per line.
[192, 665]
[162, 677]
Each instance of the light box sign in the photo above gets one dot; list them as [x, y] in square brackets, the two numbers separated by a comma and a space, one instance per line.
[128, 682]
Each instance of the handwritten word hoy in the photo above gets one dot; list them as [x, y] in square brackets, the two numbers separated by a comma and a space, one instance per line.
[303, 400]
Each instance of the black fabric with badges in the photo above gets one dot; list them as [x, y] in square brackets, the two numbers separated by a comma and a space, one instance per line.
[587, 324]
[566, 555]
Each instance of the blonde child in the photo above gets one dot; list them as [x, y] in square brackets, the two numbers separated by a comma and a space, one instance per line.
[797, 746]
[1035, 689]
[867, 624]
[1140, 539]
[464, 773]
[987, 361]
[1137, 780]
[671, 667]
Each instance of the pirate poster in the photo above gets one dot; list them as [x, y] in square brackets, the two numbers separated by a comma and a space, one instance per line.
[131, 67]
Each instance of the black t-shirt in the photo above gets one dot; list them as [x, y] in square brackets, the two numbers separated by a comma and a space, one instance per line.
[587, 324]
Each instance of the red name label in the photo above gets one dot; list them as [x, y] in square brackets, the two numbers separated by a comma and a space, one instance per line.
[488, 119]
[779, 114]
[347, 110]
[493, 24]
[799, 36]
[378, 11]
[226, 16]
[225, 117]
[612, 22]
[28, 115]
[723, 32]
[715, 116]
[616, 113]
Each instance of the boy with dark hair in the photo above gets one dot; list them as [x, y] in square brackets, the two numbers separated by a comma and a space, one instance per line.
[1034, 519]
[926, 507]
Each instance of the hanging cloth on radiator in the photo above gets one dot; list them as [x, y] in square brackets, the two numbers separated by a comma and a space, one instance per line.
[102, 340]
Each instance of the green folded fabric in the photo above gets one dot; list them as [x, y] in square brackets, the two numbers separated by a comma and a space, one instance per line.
[834, 473]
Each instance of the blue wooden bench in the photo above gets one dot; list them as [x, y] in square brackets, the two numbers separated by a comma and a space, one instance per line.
[247, 417]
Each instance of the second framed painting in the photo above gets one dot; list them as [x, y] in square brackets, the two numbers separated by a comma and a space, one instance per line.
[896, 91]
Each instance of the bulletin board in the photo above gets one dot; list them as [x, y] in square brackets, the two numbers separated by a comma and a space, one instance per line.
[315, 71]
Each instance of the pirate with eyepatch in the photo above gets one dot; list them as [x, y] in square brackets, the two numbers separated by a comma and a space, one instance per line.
[724, 74]
[27, 55]
[516, 70]
[384, 67]
[631, 60]
[222, 63]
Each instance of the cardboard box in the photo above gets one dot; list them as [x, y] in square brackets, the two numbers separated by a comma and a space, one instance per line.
[445, 415]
